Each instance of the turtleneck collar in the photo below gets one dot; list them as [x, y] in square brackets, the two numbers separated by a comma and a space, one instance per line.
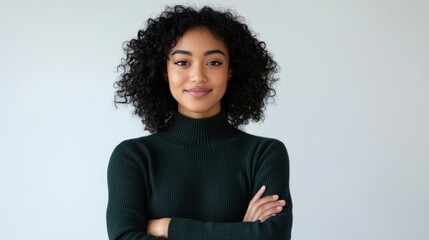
[197, 133]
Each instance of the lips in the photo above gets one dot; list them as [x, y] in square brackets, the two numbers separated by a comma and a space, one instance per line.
[198, 92]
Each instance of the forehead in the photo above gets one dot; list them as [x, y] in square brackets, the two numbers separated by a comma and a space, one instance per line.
[199, 39]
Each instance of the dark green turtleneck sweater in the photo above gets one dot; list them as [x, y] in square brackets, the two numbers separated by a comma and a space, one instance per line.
[202, 173]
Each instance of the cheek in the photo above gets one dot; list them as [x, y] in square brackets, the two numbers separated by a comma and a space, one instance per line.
[222, 79]
[175, 79]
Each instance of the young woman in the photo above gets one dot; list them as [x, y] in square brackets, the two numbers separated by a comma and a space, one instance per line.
[194, 76]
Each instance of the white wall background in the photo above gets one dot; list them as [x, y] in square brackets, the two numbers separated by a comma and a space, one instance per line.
[352, 109]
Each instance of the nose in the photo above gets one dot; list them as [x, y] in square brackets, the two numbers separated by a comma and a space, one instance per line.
[198, 74]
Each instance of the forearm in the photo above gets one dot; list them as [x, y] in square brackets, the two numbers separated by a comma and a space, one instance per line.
[275, 227]
[278, 227]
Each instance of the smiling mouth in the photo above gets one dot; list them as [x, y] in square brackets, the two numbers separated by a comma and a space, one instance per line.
[198, 92]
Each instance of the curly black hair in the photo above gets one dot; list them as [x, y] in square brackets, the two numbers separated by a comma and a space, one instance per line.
[143, 68]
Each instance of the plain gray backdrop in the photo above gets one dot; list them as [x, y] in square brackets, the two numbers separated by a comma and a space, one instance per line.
[352, 109]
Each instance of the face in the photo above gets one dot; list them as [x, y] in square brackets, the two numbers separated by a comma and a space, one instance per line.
[197, 72]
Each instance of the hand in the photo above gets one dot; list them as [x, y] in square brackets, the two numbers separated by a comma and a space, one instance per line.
[263, 208]
[158, 227]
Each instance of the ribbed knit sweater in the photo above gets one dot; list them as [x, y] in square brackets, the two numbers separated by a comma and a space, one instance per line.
[202, 173]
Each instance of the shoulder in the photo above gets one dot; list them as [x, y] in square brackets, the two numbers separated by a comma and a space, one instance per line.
[130, 154]
[259, 147]
[133, 146]
[263, 142]
[135, 143]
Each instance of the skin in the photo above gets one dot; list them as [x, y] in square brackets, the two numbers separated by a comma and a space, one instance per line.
[198, 72]
[263, 208]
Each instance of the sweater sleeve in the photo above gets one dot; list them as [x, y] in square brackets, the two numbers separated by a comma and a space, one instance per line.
[126, 214]
[271, 168]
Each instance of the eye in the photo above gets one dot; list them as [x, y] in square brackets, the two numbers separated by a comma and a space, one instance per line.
[214, 63]
[181, 63]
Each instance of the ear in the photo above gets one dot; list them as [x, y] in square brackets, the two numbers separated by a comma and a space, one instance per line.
[229, 74]
[164, 76]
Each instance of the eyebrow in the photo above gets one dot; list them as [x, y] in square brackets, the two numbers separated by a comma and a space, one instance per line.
[205, 54]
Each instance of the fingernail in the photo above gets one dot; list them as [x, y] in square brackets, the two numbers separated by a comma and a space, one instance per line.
[275, 196]
[279, 208]
[282, 202]
[263, 187]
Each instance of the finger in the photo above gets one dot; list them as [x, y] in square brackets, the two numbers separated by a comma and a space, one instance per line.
[270, 205]
[267, 199]
[258, 194]
[262, 205]
[249, 212]
[270, 210]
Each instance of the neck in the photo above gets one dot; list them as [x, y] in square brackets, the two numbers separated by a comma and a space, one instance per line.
[200, 115]
[198, 133]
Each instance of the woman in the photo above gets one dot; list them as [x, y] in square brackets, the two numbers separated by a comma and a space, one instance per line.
[194, 76]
